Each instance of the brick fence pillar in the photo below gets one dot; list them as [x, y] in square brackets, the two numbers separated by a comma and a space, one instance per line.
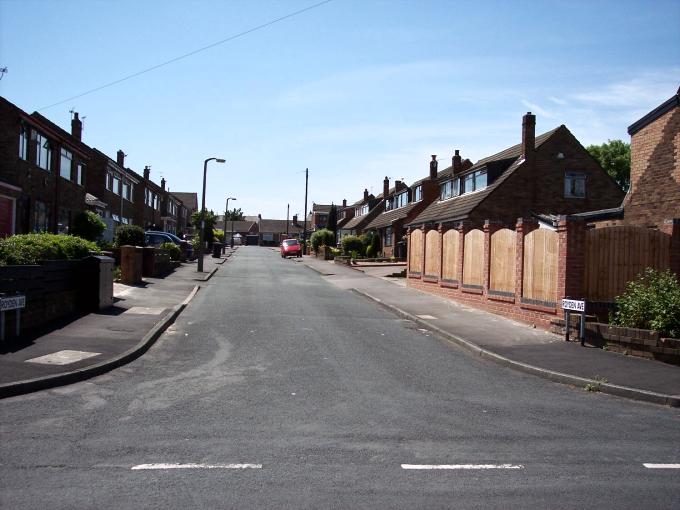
[408, 250]
[571, 258]
[490, 228]
[672, 228]
[423, 250]
[524, 226]
[463, 228]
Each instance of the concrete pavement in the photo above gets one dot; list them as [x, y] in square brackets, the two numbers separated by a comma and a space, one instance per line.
[74, 350]
[510, 343]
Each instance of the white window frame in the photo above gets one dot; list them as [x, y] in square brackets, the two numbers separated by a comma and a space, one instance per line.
[65, 155]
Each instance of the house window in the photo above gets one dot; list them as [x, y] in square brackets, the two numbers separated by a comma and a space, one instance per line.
[115, 217]
[23, 143]
[65, 164]
[417, 193]
[574, 185]
[449, 189]
[389, 204]
[363, 210]
[126, 190]
[43, 154]
[80, 171]
[474, 181]
[401, 200]
[64, 221]
[116, 184]
[40, 217]
[388, 236]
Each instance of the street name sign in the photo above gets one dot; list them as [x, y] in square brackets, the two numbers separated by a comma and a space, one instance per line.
[574, 304]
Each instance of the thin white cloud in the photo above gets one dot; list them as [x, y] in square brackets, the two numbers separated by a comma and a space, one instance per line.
[537, 109]
[558, 101]
[646, 89]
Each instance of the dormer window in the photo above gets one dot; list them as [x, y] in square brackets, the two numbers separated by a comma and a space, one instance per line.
[401, 200]
[474, 181]
[448, 189]
[417, 194]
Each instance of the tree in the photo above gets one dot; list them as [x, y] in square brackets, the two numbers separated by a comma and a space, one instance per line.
[210, 219]
[333, 219]
[88, 225]
[614, 157]
[235, 215]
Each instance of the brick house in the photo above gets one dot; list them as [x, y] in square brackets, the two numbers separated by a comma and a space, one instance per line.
[115, 185]
[654, 193]
[551, 173]
[403, 204]
[272, 232]
[318, 217]
[42, 172]
[189, 207]
[345, 214]
[149, 198]
[365, 210]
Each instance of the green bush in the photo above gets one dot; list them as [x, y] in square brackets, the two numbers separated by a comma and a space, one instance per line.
[88, 225]
[651, 301]
[129, 235]
[369, 251]
[172, 249]
[350, 244]
[370, 239]
[27, 249]
[322, 237]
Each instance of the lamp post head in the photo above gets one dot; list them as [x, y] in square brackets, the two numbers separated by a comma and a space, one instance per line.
[220, 160]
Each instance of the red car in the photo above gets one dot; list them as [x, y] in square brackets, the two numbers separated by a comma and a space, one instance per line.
[290, 247]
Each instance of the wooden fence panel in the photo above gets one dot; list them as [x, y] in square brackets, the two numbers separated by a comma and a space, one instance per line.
[415, 247]
[433, 254]
[473, 259]
[450, 255]
[540, 266]
[616, 255]
[502, 264]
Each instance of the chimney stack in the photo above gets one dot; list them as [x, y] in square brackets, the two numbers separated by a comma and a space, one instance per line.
[457, 162]
[365, 193]
[528, 135]
[433, 167]
[147, 172]
[295, 219]
[386, 187]
[120, 158]
[344, 202]
[76, 127]
[162, 183]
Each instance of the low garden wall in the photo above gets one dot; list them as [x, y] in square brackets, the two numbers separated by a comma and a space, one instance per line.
[630, 341]
[55, 289]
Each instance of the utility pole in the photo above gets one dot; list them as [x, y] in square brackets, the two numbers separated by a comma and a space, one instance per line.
[287, 220]
[304, 228]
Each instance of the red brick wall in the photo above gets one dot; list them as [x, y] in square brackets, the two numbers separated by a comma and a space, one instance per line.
[538, 185]
[655, 172]
[569, 275]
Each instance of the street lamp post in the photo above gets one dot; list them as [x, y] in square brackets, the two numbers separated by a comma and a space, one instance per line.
[226, 210]
[201, 233]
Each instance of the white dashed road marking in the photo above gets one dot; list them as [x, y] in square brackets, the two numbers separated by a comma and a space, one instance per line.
[462, 466]
[662, 466]
[195, 466]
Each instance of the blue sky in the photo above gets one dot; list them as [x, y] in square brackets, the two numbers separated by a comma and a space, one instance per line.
[353, 90]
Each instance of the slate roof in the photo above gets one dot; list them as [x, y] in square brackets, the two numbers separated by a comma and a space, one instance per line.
[278, 226]
[239, 225]
[322, 208]
[190, 200]
[460, 207]
[360, 222]
[385, 219]
[341, 223]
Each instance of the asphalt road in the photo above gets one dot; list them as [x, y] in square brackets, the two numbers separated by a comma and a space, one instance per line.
[277, 389]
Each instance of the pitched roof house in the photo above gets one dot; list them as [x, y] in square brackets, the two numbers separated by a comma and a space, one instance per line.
[547, 174]
[402, 204]
[364, 211]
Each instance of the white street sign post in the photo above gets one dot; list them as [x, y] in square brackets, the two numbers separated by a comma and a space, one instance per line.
[16, 302]
[575, 305]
